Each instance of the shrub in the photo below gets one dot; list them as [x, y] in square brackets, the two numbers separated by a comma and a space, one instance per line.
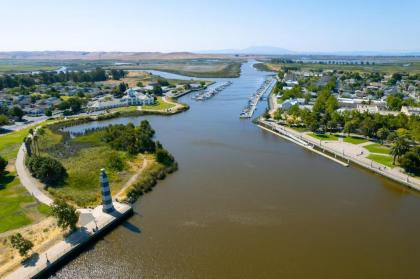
[3, 164]
[48, 170]
[21, 244]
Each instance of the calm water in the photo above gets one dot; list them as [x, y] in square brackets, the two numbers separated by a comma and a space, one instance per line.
[247, 204]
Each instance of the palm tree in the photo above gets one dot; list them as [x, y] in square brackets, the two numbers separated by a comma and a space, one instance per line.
[399, 148]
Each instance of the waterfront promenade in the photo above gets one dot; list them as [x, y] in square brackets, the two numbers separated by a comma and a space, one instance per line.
[346, 152]
[40, 265]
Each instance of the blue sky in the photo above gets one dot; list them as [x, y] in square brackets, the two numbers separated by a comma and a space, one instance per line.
[129, 25]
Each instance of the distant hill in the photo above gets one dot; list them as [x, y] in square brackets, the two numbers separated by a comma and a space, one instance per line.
[255, 50]
[270, 50]
[83, 55]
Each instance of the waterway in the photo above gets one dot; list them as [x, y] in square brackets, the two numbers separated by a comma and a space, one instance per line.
[248, 204]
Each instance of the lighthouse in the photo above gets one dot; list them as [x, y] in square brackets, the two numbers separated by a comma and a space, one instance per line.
[107, 206]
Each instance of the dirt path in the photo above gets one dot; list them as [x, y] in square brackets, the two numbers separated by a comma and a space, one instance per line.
[133, 178]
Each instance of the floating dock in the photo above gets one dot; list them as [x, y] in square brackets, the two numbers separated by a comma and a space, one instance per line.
[250, 108]
[207, 94]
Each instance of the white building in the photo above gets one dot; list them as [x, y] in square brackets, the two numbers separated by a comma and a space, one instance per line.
[131, 98]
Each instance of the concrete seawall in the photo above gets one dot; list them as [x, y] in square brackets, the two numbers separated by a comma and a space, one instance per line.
[45, 264]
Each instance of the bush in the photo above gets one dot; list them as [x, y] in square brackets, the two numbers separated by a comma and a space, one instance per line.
[410, 161]
[48, 170]
[115, 162]
[21, 244]
[164, 157]
[3, 164]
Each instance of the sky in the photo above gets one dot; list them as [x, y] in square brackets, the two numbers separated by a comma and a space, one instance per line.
[178, 25]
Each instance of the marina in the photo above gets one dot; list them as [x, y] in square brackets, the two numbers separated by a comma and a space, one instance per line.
[250, 108]
[207, 94]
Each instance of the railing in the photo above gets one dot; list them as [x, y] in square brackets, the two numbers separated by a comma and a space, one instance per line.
[378, 168]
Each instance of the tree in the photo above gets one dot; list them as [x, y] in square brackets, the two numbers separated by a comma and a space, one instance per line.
[382, 133]
[164, 157]
[48, 170]
[21, 244]
[410, 161]
[48, 112]
[4, 120]
[3, 164]
[349, 127]
[16, 112]
[66, 214]
[139, 84]
[157, 90]
[399, 148]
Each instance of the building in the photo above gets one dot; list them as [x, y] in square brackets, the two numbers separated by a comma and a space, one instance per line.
[131, 98]
[410, 110]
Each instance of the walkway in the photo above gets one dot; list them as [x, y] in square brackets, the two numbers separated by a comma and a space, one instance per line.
[32, 185]
[351, 152]
[101, 221]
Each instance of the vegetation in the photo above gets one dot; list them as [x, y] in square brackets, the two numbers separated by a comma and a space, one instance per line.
[47, 169]
[324, 136]
[3, 164]
[21, 244]
[355, 140]
[67, 216]
[377, 148]
[381, 159]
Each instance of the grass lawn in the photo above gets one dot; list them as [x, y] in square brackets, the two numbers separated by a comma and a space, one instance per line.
[10, 143]
[324, 136]
[355, 140]
[159, 105]
[382, 159]
[299, 129]
[17, 207]
[377, 148]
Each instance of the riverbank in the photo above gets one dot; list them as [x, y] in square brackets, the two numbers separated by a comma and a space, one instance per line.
[347, 152]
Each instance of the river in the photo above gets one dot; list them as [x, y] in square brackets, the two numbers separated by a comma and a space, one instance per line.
[248, 204]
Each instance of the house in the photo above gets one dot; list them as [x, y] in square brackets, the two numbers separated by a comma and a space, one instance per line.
[286, 105]
[410, 110]
[131, 98]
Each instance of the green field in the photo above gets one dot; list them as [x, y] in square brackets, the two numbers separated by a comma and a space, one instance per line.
[159, 105]
[382, 159]
[80, 156]
[12, 68]
[188, 68]
[10, 143]
[408, 67]
[355, 140]
[377, 148]
[17, 207]
[324, 136]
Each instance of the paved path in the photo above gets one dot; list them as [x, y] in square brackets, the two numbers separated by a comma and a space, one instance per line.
[354, 153]
[32, 185]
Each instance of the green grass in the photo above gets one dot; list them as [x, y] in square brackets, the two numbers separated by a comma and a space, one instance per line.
[9, 68]
[299, 129]
[382, 159]
[10, 143]
[17, 207]
[83, 157]
[355, 140]
[324, 136]
[44, 209]
[377, 148]
[159, 105]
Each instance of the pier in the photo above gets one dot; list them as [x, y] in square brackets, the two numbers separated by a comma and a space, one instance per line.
[207, 94]
[249, 110]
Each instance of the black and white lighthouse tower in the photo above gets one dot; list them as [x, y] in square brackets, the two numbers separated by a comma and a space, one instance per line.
[106, 193]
